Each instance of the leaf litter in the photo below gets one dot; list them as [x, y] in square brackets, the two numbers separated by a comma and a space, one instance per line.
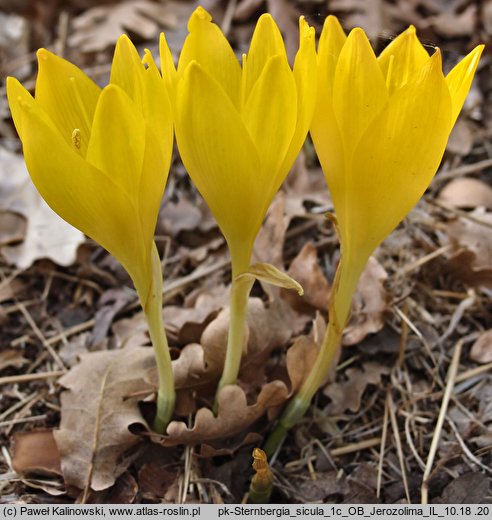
[408, 298]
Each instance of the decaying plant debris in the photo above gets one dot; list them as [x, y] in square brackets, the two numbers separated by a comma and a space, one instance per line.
[68, 314]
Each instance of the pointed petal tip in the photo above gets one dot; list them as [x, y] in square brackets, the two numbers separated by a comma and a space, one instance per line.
[358, 36]
[306, 32]
[192, 70]
[123, 38]
[198, 15]
[43, 54]
[267, 22]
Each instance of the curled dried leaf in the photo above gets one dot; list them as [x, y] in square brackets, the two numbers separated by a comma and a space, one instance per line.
[270, 274]
[234, 416]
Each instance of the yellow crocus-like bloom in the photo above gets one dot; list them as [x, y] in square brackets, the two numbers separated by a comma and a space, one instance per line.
[239, 130]
[380, 129]
[100, 158]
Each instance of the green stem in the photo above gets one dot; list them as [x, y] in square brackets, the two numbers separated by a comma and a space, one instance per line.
[240, 290]
[166, 395]
[339, 306]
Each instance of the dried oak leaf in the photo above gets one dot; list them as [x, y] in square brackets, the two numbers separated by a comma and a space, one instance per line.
[182, 215]
[369, 14]
[306, 270]
[110, 303]
[269, 243]
[100, 402]
[369, 305]
[475, 235]
[10, 357]
[268, 327]
[300, 359]
[46, 235]
[481, 351]
[470, 488]
[234, 416]
[462, 138]
[36, 452]
[100, 27]
[472, 261]
[347, 395]
[466, 192]
[10, 288]
[461, 265]
[453, 22]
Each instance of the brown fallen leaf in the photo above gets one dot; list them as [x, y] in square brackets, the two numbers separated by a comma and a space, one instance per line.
[100, 402]
[229, 446]
[46, 234]
[12, 227]
[10, 289]
[185, 324]
[36, 452]
[155, 480]
[11, 357]
[131, 332]
[369, 305]
[300, 360]
[462, 138]
[461, 265]
[234, 416]
[347, 395]
[110, 303]
[306, 270]
[455, 22]
[470, 488]
[124, 491]
[368, 14]
[268, 327]
[475, 235]
[182, 215]
[481, 350]
[269, 243]
[98, 28]
[466, 192]
[326, 485]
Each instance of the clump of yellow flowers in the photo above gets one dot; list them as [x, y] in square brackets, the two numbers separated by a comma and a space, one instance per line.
[100, 158]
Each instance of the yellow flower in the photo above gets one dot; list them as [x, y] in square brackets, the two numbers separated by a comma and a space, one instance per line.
[100, 158]
[380, 129]
[239, 129]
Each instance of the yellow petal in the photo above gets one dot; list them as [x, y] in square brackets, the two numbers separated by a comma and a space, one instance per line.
[324, 128]
[221, 158]
[127, 69]
[67, 96]
[305, 75]
[397, 158]
[460, 78]
[402, 58]
[265, 43]
[271, 119]
[110, 148]
[158, 147]
[169, 73]
[82, 195]
[359, 91]
[207, 45]
[331, 42]
[157, 109]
